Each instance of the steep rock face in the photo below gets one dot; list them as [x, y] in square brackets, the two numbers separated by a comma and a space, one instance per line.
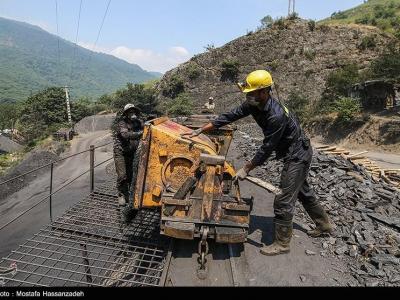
[299, 56]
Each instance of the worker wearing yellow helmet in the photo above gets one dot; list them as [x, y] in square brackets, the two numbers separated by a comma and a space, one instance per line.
[283, 135]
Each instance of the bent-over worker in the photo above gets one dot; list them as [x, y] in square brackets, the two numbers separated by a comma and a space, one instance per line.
[283, 135]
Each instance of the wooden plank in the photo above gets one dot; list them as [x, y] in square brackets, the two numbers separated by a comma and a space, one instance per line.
[356, 158]
[265, 185]
[208, 196]
[358, 154]
[329, 149]
[322, 147]
[340, 152]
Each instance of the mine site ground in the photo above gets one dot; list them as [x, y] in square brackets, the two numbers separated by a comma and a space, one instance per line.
[306, 264]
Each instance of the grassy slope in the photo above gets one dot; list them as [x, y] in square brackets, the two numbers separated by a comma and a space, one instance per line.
[367, 9]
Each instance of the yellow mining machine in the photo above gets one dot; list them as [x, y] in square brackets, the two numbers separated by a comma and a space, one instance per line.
[191, 181]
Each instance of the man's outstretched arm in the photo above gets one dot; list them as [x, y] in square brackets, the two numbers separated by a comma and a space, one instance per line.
[223, 120]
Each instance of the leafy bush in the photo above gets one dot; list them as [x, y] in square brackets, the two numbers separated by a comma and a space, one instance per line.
[384, 24]
[367, 42]
[298, 104]
[193, 72]
[105, 100]
[348, 109]
[387, 66]
[308, 73]
[324, 28]
[340, 80]
[273, 66]
[337, 85]
[290, 53]
[397, 34]
[309, 53]
[209, 47]
[182, 105]
[175, 87]
[339, 15]
[267, 21]
[280, 23]
[311, 25]
[365, 19]
[8, 161]
[293, 16]
[230, 69]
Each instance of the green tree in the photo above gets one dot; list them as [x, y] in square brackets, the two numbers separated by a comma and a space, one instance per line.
[43, 112]
[348, 109]
[180, 106]
[82, 108]
[338, 84]
[137, 94]
[9, 114]
[387, 66]
[175, 86]
[106, 100]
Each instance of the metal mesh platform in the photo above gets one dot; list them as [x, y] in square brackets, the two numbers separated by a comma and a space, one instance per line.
[89, 246]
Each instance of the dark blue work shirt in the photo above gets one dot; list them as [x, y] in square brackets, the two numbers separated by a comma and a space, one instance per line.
[281, 129]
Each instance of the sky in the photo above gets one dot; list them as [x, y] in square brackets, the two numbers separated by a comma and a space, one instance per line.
[158, 35]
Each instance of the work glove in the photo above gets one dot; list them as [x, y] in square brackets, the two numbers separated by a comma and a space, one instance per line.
[194, 133]
[137, 135]
[240, 175]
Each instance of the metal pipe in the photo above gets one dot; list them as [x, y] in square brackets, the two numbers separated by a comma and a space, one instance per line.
[91, 168]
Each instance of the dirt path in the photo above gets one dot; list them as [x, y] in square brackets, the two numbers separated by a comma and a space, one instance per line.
[20, 201]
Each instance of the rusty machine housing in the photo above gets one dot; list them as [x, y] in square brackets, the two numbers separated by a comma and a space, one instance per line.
[191, 181]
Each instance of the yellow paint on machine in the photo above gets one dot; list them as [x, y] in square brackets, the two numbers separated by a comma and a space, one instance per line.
[168, 160]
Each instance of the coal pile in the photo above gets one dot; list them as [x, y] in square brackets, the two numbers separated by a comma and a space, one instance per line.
[32, 161]
[366, 213]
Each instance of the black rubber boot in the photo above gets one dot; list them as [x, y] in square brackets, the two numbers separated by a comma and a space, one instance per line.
[128, 214]
[321, 220]
[283, 236]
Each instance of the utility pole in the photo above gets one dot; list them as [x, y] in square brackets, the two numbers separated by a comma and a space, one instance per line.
[68, 105]
[292, 7]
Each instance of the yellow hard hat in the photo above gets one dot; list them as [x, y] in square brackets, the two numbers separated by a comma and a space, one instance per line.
[256, 80]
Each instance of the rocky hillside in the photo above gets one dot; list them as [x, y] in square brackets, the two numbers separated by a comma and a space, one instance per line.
[299, 53]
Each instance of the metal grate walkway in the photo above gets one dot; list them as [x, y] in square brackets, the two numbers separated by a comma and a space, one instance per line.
[89, 246]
